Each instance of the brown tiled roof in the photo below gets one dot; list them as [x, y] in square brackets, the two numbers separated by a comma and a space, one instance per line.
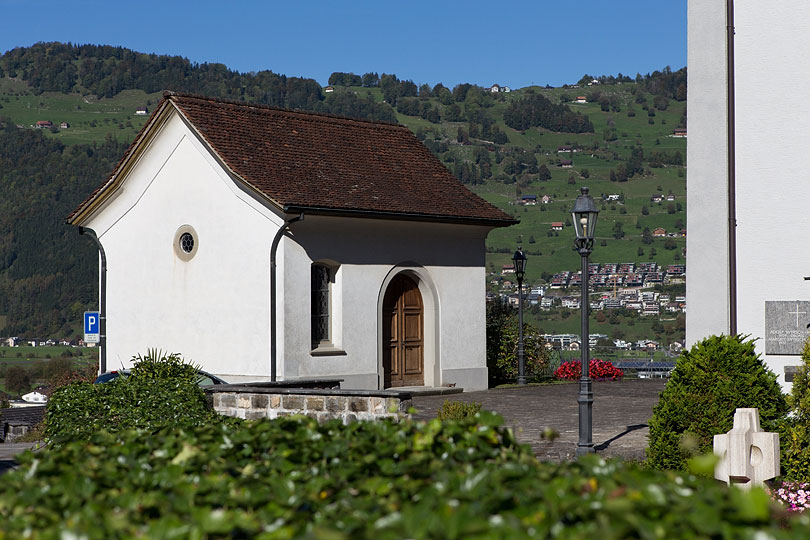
[304, 161]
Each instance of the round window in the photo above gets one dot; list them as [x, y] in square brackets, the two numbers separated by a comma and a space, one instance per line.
[186, 242]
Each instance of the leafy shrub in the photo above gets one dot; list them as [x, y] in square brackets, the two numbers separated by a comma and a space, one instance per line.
[601, 370]
[457, 410]
[502, 345]
[162, 390]
[795, 432]
[158, 365]
[293, 478]
[710, 381]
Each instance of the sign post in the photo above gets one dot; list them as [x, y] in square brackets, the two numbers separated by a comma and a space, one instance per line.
[92, 327]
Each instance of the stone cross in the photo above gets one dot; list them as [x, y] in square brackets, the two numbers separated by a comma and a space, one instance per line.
[748, 455]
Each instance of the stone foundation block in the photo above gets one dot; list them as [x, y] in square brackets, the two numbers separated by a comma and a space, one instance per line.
[293, 402]
[243, 401]
[357, 404]
[258, 401]
[315, 403]
[335, 404]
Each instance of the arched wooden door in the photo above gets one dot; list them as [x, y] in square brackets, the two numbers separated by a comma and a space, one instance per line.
[403, 334]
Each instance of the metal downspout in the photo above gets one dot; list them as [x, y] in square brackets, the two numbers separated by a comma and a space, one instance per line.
[732, 191]
[273, 249]
[102, 300]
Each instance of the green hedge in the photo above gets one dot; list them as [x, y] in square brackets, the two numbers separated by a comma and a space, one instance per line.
[293, 478]
[161, 391]
[79, 410]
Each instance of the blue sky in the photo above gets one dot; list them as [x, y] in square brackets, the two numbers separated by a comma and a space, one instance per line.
[481, 42]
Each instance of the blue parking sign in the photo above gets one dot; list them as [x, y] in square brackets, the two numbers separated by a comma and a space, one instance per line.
[92, 327]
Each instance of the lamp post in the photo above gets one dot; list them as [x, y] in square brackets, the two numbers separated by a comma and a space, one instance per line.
[519, 259]
[584, 215]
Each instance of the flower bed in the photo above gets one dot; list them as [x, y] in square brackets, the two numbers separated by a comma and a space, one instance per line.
[794, 495]
[601, 370]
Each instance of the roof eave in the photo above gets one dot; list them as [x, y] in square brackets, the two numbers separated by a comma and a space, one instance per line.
[79, 216]
[379, 214]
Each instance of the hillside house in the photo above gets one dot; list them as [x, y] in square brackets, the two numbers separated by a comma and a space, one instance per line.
[528, 200]
[328, 89]
[557, 225]
[44, 124]
[659, 231]
[566, 163]
[142, 111]
[679, 132]
[494, 88]
[656, 198]
[581, 99]
[64, 125]
[258, 241]
[508, 269]
[546, 199]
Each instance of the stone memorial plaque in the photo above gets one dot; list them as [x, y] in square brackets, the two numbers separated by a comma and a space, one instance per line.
[786, 326]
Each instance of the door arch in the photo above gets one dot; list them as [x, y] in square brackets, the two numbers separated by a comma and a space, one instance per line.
[403, 334]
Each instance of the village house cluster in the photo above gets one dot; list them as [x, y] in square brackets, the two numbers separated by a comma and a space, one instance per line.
[50, 342]
[571, 342]
[621, 284]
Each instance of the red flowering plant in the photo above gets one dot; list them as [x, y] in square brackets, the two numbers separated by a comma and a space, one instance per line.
[601, 370]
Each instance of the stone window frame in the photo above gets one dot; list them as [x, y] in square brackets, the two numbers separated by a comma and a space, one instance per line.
[329, 344]
[178, 249]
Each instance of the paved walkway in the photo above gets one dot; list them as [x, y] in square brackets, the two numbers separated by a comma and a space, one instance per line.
[621, 410]
[7, 453]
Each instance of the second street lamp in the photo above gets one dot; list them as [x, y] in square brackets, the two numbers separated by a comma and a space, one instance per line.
[519, 260]
[585, 214]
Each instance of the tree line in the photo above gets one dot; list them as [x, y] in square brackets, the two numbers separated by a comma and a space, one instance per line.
[48, 272]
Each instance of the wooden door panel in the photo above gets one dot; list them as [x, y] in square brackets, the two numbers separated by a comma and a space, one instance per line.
[412, 329]
[413, 360]
[403, 322]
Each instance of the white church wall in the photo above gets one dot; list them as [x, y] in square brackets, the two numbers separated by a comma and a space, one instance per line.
[771, 162]
[771, 42]
[707, 283]
[155, 299]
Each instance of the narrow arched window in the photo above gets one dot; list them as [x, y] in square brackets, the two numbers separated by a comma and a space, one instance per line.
[321, 303]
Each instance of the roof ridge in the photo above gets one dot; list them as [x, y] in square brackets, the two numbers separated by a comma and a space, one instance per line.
[304, 114]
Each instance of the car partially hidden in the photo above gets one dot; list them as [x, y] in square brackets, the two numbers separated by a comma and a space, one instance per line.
[203, 377]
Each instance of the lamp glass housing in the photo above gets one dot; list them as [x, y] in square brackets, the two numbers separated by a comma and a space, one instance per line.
[519, 260]
[585, 215]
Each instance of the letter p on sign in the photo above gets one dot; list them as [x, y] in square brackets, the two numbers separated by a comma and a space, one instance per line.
[92, 328]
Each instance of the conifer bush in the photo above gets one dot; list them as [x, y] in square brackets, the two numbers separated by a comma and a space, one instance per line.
[795, 433]
[710, 381]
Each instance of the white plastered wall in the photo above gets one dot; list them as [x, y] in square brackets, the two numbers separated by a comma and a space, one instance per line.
[772, 41]
[447, 261]
[707, 261]
[213, 309]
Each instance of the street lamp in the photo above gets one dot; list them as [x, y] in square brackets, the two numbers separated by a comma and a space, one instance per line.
[585, 214]
[519, 259]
